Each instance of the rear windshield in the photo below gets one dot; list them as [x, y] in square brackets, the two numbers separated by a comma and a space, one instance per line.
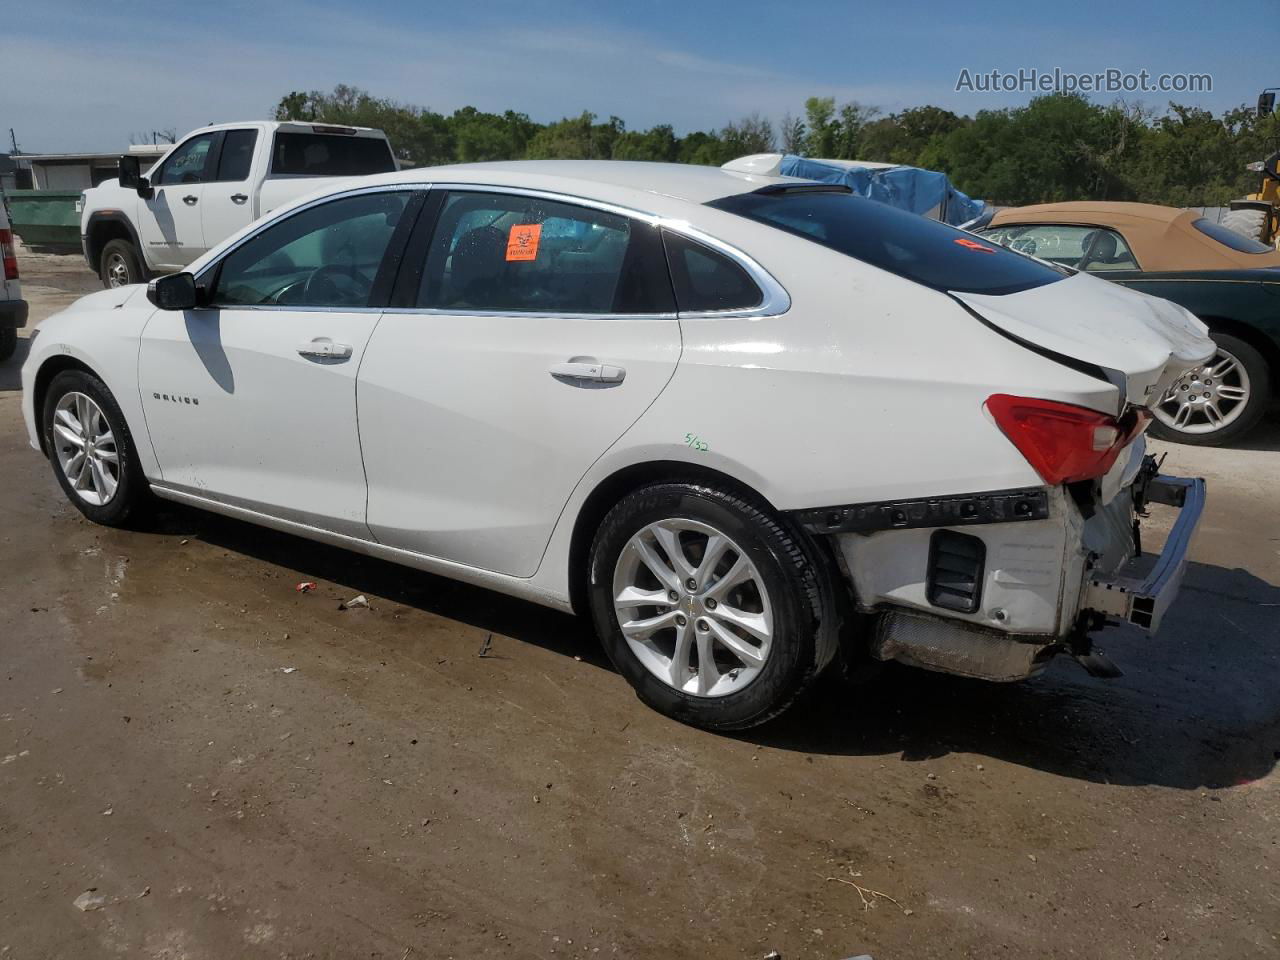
[907, 244]
[330, 155]
[1229, 238]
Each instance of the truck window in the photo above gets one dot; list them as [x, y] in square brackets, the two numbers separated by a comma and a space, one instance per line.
[237, 155]
[329, 155]
[187, 163]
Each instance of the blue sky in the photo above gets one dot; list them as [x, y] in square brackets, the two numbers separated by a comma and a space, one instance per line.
[84, 76]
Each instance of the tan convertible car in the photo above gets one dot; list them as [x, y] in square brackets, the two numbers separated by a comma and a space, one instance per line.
[1229, 281]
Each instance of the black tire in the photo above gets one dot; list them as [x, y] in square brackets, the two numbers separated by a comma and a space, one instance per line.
[8, 342]
[132, 491]
[120, 264]
[794, 572]
[1248, 222]
[1259, 373]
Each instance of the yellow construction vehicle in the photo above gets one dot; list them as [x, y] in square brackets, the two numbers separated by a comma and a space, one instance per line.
[1258, 215]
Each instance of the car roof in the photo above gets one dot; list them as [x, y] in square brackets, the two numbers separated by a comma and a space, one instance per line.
[1162, 238]
[1085, 211]
[622, 181]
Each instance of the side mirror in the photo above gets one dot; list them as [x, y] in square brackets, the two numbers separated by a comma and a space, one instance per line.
[1266, 103]
[131, 176]
[174, 292]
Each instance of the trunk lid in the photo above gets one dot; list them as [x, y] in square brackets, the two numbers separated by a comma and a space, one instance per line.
[1141, 343]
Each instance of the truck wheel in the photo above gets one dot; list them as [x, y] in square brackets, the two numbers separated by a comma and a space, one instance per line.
[120, 265]
[91, 449]
[715, 611]
[8, 342]
[1249, 223]
[1217, 401]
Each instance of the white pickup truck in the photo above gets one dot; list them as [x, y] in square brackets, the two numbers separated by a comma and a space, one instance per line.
[213, 182]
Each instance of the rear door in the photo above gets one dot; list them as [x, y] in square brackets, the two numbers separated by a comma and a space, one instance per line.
[252, 400]
[169, 221]
[532, 333]
[227, 203]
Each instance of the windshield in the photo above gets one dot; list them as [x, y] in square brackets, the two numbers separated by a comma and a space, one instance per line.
[330, 155]
[907, 244]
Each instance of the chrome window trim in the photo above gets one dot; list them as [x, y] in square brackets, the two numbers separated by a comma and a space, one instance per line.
[775, 300]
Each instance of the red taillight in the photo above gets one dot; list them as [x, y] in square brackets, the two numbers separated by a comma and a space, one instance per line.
[9, 254]
[1063, 442]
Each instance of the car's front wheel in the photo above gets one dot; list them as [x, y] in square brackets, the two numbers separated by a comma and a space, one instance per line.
[120, 264]
[716, 612]
[1218, 401]
[91, 449]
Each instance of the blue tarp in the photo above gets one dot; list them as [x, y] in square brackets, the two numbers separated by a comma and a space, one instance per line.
[925, 192]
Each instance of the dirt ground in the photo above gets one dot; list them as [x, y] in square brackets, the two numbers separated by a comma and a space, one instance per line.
[240, 770]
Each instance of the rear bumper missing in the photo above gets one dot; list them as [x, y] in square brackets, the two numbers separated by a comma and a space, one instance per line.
[1034, 587]
[1141, 591]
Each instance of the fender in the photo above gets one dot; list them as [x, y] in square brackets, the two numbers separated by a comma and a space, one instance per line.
[93, 252]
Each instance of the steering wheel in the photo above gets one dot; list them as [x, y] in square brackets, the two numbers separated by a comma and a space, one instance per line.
[332, 284]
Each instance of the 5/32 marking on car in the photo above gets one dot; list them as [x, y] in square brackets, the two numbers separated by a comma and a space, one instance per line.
[692, 440]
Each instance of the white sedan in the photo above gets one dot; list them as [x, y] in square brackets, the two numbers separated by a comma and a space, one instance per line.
[750, 424]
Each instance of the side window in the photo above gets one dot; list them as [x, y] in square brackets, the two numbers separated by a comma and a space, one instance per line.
[506, 253]
[1095, 249]
[237, 155]
[187, 164]
[706, 279]
[324, 256]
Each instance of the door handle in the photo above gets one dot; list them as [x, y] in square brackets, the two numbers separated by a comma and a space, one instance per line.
[239, 198]
[190, 200]
[587, 370]
[323, 348]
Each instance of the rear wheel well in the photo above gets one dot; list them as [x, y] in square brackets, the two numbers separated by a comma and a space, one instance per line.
[616, 486]
[1260, 342]
[48, 370]
[102, 232]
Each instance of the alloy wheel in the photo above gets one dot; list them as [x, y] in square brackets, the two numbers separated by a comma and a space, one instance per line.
[86, 449]
[118, 271]
[1207, 398]
[692, 607]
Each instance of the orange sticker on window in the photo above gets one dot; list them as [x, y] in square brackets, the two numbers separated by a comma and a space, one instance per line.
[522, 242]
[964, 242]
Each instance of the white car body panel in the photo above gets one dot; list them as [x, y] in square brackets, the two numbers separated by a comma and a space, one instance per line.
[860, 386]
[498, 443]
[1148, 340]
[235, 412]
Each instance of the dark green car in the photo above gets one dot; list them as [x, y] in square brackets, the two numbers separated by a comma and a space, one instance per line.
[1232, 283]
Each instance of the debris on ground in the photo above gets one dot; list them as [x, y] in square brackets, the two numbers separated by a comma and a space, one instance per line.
[89, 901]
[360, 601]
[484, 647]
[306, 586]
[92, 900]
[867, 895]
[288, 669]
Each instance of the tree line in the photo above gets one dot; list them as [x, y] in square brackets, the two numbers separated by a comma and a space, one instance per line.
[1057, 147]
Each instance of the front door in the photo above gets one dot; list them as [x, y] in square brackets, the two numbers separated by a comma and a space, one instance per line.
[251, 401]
[538, 333]
[169, 221]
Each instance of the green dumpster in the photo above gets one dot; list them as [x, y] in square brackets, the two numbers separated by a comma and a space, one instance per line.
[46, 218]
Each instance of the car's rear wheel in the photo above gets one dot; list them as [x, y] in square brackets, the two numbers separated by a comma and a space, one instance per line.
[8, 342]
[1218, 401]
[120, 264]
[91, 449]
[716, 612]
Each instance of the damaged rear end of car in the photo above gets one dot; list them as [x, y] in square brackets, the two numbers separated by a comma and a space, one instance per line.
[994, 582]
